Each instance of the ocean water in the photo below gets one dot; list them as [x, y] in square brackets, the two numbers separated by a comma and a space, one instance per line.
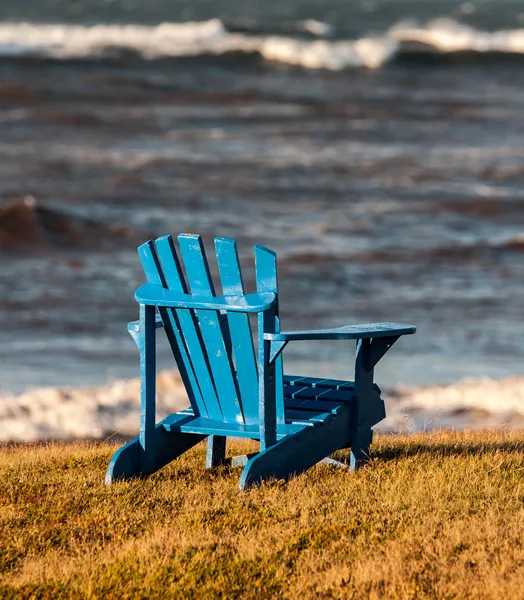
[375, 145]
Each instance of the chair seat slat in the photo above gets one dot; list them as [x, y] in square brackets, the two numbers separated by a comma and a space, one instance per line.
[333, 384]
[188, 424]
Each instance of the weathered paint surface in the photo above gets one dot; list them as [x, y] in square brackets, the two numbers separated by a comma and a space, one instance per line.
[299, 421]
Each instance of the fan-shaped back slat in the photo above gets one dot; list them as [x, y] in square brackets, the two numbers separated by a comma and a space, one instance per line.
[206, 399]
[239, 329]
[200, 282]
[154, 274]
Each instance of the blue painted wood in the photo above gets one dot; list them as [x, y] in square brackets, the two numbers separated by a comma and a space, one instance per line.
[216, 451]
[379, 347]
[155, 295]
[267, 281]
[189, 424]
[275, 349]
[311, 393]
[367, 410]
[334, 384]
[126, 463]
[199, 279]
[297, 453]
[267, 385]
[206, 400]
[300, 420]
[240, 330]
[147, 349]
[312, 405]
[134, 326]
[348, 332]
[154, 274]
[312, 381]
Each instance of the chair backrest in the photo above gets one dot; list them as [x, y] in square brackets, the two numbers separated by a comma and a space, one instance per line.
[214, 351]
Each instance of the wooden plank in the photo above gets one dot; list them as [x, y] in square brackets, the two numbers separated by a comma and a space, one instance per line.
[147, 387]
[201, 284]
[154, 274]
[333, 384]
[305, 381]
[365, 410]
[240, 330]
[206, 400]
[318, 382]
[379, 347]
[338, 395]
[312, 405]
[348, 332]
[267, 386]
[155, 295]
[203, 426]
[306, 393]
[336, 384]
[126, 462]
[267, 281]
[295, 454]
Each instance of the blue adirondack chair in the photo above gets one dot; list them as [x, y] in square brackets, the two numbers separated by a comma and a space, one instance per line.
[232, 390]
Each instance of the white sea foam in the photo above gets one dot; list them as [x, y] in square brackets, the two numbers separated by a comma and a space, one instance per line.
[72, 413]
[320, 54]
[446, 35]
[317, 27]
[212, 38]
[62, 413]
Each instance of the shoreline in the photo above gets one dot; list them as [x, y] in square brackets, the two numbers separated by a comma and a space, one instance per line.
[112, 411]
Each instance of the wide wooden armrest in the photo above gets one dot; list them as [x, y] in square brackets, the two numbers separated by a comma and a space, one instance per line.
[155, 295]
[348, 332]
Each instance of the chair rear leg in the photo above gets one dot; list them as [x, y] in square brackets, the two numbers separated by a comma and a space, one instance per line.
[360, 447]
[163, 447]
[216, 451]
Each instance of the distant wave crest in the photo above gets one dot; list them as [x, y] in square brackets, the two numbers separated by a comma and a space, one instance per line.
[439, 37]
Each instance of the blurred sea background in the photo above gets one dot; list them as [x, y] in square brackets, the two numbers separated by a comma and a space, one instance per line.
[376, 145]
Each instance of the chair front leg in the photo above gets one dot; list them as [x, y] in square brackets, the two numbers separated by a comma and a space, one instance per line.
[366, 412]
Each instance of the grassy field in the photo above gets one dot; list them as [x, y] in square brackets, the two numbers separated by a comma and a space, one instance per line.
[436, 515]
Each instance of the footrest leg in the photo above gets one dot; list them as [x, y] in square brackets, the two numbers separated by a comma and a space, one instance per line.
[216, 451]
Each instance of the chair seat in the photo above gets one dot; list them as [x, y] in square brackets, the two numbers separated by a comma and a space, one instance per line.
[315, 394]
[309, 402]
[316, 382]
[187, 422]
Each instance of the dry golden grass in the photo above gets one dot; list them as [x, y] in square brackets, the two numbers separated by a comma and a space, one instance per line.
[436, 515]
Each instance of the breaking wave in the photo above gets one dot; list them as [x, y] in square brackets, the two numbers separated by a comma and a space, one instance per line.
[441, 37]
[28, 226]
[98, 412]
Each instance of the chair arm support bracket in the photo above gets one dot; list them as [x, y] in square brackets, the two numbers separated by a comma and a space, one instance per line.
[378, 348]
[133, 328]
[276, 347]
